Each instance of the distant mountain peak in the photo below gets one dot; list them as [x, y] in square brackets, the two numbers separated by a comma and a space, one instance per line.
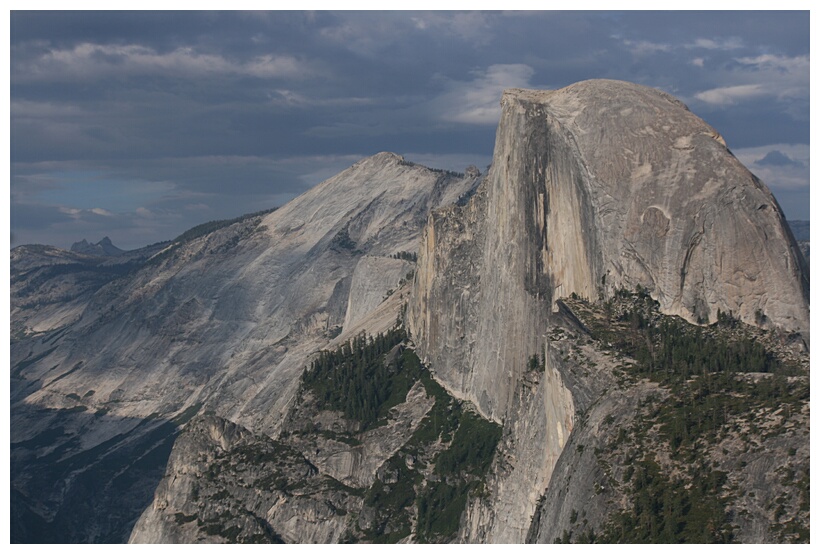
[103, 248]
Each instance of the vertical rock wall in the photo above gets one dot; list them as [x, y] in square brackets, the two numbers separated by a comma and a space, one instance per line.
[489, 271]
[595, 187]
[487, 278]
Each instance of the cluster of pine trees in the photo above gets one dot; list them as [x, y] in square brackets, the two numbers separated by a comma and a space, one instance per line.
[670, 509]
[404, 255]
[357, 380]
[367, 376]
[205, 228]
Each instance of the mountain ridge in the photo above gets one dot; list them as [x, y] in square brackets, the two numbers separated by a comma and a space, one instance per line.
[174, 335]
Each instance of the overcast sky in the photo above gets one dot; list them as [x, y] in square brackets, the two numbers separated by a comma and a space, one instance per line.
[141, 125]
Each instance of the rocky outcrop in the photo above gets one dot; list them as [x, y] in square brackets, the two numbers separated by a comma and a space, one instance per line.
[226, 484]
[373, 279]
[331, 476]
[315, 433]
[599, 186]
[743, 477]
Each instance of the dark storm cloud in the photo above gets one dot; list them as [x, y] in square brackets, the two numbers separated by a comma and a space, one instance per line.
[171, 118]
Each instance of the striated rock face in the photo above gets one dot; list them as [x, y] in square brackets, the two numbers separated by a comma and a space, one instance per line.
[371, 278]
[533, 440]
[223, 320]
[594, 187]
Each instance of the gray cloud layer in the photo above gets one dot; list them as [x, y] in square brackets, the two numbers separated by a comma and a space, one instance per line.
[139, 125]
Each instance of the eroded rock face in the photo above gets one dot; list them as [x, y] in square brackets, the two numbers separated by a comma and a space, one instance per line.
[226, 484]
[595, 187]
[355, 465]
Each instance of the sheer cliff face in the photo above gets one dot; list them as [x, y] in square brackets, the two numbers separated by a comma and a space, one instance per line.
[594, 187]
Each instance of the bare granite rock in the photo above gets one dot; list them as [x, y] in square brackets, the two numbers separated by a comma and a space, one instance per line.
[599, 186]
[222, 321]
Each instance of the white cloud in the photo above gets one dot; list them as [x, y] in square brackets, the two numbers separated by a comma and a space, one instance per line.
[274, 66]
[297, 100]
[641, 48]
[88, 60]
[777, 77]
[478, 101]
[73, 212]
[101, 211]
[420, 23]
[644, 47]
[724, 96]
[783, 63]
[731, 43]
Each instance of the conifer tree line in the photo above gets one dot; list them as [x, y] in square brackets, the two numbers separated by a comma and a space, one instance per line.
[356, 379]
[404, 255]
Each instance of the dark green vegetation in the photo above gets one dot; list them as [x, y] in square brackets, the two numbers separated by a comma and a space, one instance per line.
[430, 481]
[726, 390]
[424, 487]
[421, 490]
[404, 255]
[342, 242]
[460, 468]
[206, 228]
[356, 380]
